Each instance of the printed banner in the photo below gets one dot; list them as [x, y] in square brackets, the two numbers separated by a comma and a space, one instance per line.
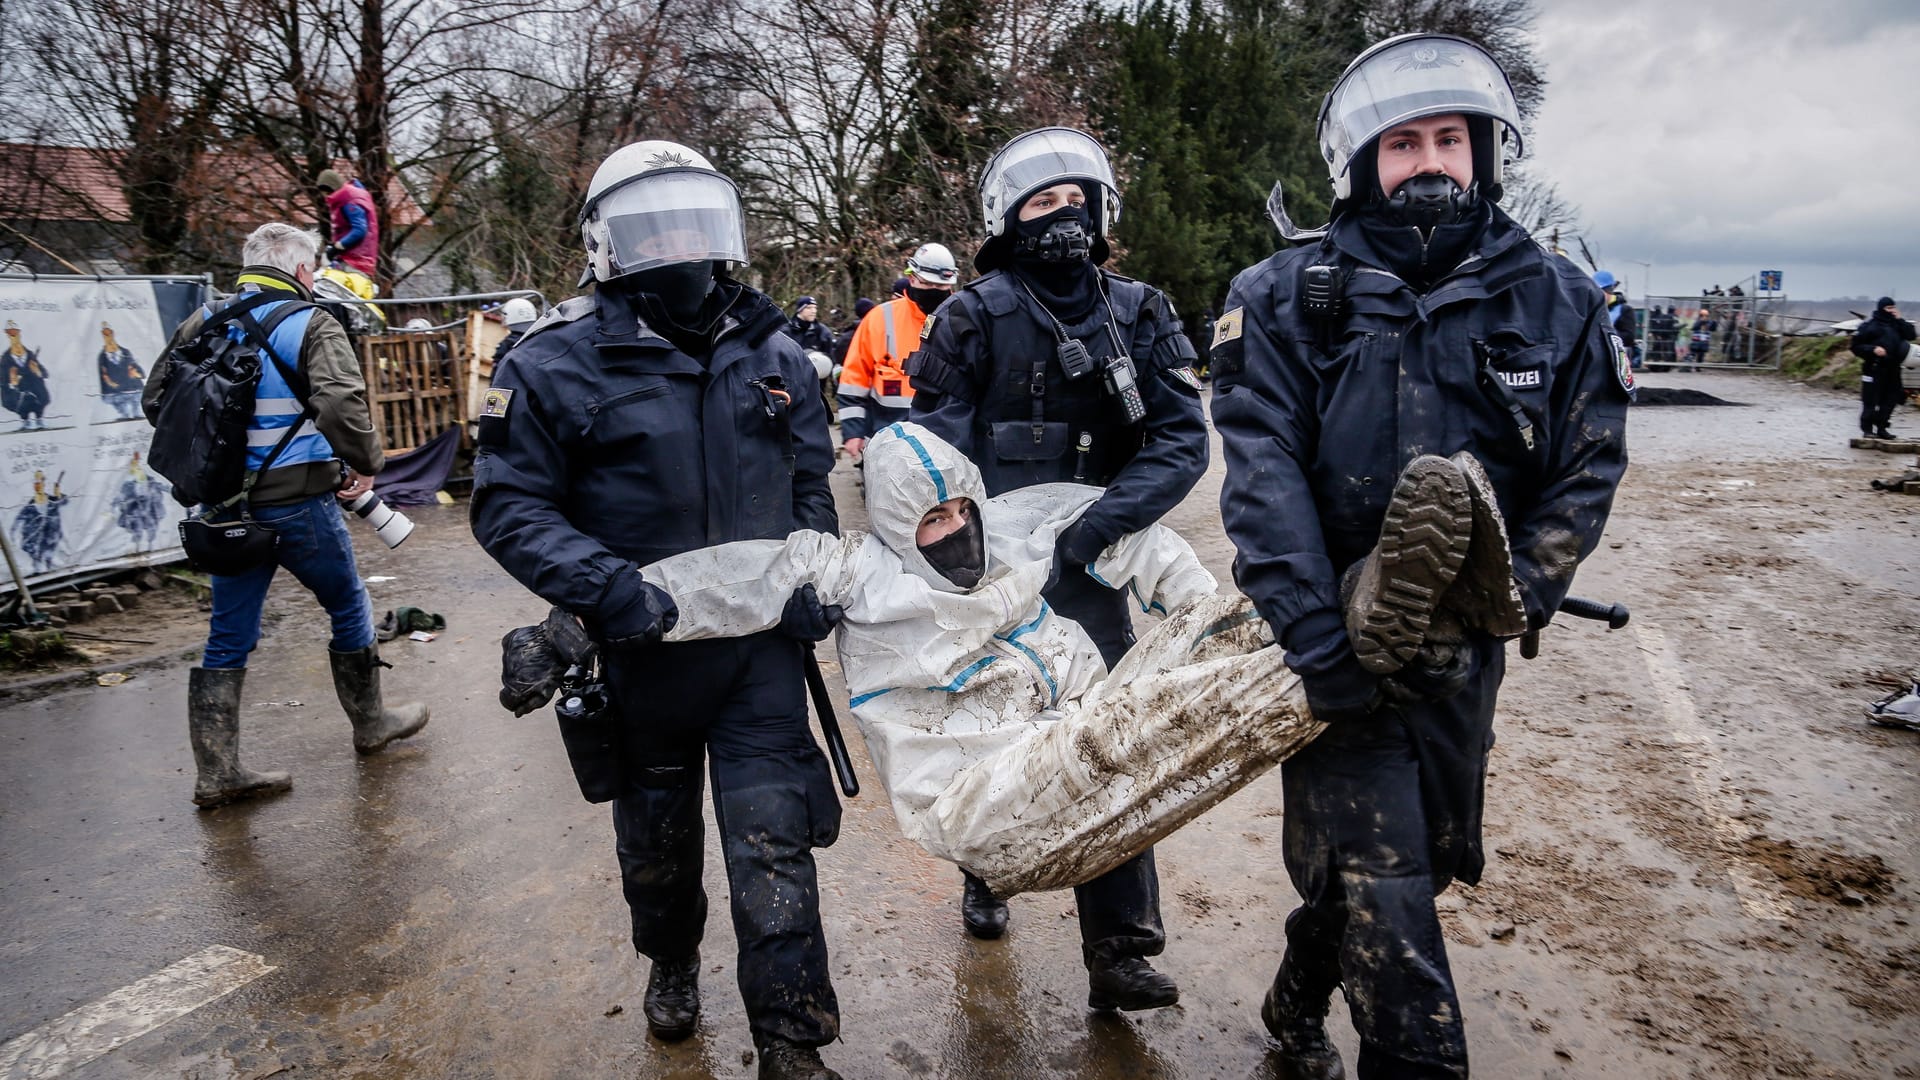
[75, 492]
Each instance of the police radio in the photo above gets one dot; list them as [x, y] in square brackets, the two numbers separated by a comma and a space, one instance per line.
[1322, 291]
[1125, 388]
[1074, 358]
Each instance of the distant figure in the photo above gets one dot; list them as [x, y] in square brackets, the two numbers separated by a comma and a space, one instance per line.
[519, 314]
[121, 377]
[1620, 314]
[1736, 291]
[37, 525]
[1700, 338]
[1881, 343]
[1663, 330]
[355, 227]
[23, 382]
[806, 328]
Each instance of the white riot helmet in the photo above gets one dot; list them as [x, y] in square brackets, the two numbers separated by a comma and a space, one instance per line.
[655, 203]
[1413, 76]
[1040, 159]
[518, 312]
[932, 264]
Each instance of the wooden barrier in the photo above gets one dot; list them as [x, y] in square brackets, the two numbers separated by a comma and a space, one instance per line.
[417, 385]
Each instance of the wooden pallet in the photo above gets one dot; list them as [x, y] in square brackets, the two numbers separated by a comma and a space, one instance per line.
[1886, 446]
[417, 385]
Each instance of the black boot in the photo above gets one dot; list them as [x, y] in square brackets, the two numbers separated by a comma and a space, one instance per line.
[673, 998]
[1422, 546]
[213, 726]
[1297, 1018]
[782, 1060]
[1129, 983]
[356, 679]
[984, 913]
[1884, 433]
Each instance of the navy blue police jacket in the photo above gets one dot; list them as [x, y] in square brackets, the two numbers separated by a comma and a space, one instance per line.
[603, 447]
[988, 379]
[1510, 357]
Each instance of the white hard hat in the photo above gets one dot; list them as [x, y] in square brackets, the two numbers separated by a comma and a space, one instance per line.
[518, 312]
[417, 324]
[1410, 77]
[932, 264]
[655, 203]
[1040, 159]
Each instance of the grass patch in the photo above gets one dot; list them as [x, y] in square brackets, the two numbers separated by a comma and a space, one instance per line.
[26, 650]
[1821, 359]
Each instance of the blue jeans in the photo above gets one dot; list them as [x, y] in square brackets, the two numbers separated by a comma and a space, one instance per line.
[315, 548]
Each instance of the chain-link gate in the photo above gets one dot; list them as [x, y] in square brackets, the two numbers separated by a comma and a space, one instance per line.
[1710, 332]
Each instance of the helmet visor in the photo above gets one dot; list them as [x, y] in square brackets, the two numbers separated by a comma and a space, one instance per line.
[673, 216]
[1040, 159]
[1407, 80]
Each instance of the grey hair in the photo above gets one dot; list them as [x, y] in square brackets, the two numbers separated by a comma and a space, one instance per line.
[284, 247]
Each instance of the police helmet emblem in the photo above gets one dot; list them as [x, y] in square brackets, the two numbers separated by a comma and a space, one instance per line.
[668, 159]
[1428, 57]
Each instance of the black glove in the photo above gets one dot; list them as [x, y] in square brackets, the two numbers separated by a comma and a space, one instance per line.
[334, 250]
[533, 658]
[1338, 688]
[1073, 550]
[805, 618]
[639, 615]
[1429, 679]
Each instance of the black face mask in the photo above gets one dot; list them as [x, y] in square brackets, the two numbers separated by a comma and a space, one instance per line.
[961, 555]
[1066, 235]
[1430, 200]
[927, 299]
[678, 291]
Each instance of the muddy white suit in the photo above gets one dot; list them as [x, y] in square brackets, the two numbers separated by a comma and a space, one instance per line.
[1005, 744]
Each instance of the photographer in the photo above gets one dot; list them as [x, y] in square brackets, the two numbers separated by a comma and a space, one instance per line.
[298, 497]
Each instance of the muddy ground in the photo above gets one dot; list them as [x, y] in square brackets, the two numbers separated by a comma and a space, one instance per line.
[1702, 861]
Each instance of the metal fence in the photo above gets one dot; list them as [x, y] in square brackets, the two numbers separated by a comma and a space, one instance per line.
[1715, 332]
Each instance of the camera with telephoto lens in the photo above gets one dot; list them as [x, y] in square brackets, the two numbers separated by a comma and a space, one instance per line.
[389, 524]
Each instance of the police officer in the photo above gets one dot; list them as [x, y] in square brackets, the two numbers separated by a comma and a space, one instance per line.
[1425, 321]
[1048, 368]
[663, 413]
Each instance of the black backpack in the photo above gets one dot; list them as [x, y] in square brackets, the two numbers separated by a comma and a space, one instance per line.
[205, 405]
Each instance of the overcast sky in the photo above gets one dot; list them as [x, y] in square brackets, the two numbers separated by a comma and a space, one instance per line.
[1716, 138]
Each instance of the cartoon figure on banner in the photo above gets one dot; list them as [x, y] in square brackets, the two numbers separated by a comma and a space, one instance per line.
[23, 382]
[37, 527]
[121, 377]
[140, 504]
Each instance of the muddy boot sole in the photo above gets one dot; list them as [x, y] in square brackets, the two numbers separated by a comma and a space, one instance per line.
[1423, 544]
[1485, 595]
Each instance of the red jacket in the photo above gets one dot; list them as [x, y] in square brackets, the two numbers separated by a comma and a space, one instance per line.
[358, 239]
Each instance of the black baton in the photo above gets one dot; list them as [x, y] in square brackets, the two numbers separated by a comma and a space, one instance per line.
[1614, 615]
[830, 726]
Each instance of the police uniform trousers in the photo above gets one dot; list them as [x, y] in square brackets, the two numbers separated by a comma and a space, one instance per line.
[740, 704]
[1382, 814]
[1882, 395]
[1120, 909]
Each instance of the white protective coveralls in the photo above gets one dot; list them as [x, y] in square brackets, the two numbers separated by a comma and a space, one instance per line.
[1003, 741]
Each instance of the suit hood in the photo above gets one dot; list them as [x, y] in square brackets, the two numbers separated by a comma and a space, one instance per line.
[909, 471]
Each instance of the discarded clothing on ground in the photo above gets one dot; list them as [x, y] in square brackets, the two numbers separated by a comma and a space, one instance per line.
[1001, 738]
[406, 620]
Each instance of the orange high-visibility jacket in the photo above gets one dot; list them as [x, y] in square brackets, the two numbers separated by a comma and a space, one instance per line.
[874, 390]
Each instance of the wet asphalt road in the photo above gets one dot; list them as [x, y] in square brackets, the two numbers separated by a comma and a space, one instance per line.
[452, 907]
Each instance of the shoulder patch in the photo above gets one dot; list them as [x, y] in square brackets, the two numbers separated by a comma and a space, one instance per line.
[1227, 327]
[926, 328]
[1622, 363]
[1186, 375]
[495, 403]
